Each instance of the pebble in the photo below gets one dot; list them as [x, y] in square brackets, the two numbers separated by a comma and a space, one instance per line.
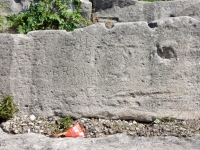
[134, 122]
[182, 129]
[39, 122]
[28, 130]
[184, 123]
[32, 117]
[31, 124]
[23, 124]
[41, 131]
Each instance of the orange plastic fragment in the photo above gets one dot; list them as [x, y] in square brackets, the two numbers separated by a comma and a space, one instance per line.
[76, 131]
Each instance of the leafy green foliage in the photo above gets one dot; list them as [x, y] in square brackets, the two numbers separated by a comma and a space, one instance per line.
[157, 121]
[4, 6]
[1, 22]
[49, 14]
[63, 124]
[2, 18]
[77, 3]
[7, 108]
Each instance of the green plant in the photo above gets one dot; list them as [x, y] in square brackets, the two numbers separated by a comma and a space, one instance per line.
[2, 18]
[7, 108]
[4, 6]
[166, 119]
[49, 14]
[1, 22]
[63, 124]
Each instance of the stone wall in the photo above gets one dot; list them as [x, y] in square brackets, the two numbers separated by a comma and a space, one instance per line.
[123, 10]
[131, 71]
[132, 10]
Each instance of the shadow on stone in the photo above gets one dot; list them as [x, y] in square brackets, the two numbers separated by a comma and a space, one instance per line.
[166, 52]
[153, 25]
[172, 15]
[17, 1]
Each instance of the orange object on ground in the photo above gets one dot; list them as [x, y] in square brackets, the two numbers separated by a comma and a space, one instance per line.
[75, 131]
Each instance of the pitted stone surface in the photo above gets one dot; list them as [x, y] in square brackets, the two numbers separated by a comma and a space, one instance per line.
[131, 71]
[86, 8]
[132, 10]
[15, 6]
[105, 4]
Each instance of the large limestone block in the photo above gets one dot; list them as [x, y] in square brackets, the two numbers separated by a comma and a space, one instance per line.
[112, 142]
[86, 7]
[131, 71]
[131, 10]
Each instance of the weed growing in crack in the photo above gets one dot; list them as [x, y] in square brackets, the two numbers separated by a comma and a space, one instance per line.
[49, 14]
[63, 124]
[163, 120]
[2, 18]
[7, 108]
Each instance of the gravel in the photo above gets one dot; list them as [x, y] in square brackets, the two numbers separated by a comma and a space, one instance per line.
[96, 128]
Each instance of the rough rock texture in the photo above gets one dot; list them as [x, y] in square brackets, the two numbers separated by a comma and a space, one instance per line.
[131, 10]
[131, 71]
[120, 142]
[105, 4]
[86, 8]
[15, 6]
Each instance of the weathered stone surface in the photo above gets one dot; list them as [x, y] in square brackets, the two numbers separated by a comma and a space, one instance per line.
[105, 4]
[119, 141]
[86, 8]
[15, 6]
[131, 10]
[131, 71]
